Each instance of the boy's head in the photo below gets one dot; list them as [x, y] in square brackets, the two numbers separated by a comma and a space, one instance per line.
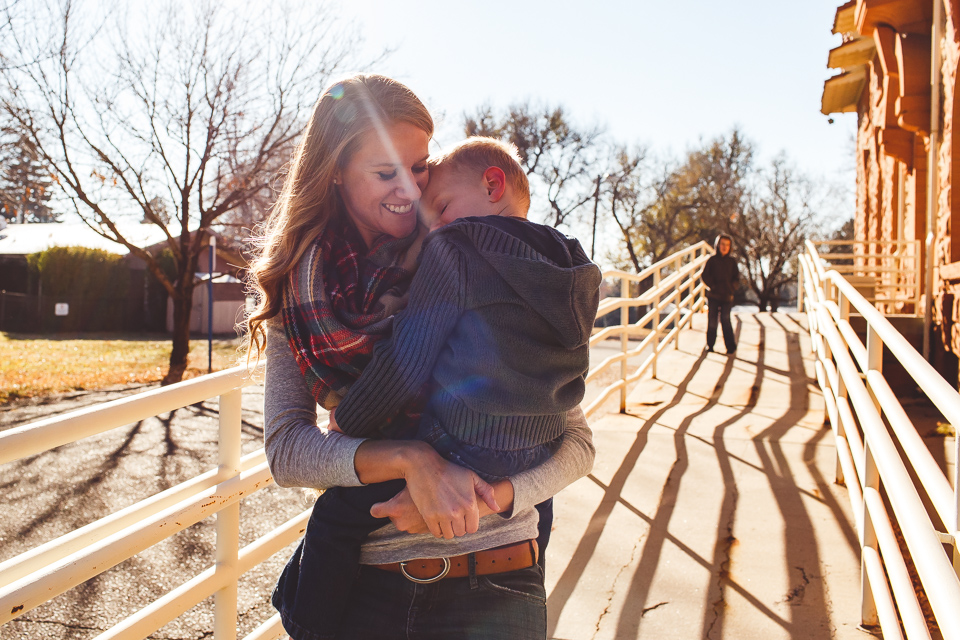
[478, 177]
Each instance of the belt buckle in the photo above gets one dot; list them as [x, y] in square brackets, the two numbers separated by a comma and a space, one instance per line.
[439, 576]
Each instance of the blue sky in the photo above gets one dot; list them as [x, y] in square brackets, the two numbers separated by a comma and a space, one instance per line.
[665, 74]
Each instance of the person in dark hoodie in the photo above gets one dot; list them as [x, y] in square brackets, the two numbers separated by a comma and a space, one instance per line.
[722, 277]
[497, 327]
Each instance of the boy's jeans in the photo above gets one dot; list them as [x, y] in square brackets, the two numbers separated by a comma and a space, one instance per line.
[315, 587]
[719, 310]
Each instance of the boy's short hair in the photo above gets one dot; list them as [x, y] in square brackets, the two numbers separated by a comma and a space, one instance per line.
[478, 153]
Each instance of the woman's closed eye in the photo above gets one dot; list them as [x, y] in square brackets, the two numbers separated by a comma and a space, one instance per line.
[390, 175]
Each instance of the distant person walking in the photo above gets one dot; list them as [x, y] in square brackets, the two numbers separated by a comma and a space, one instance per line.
[722, 279]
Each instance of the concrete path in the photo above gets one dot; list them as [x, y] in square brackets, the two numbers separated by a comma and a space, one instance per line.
[711, 511]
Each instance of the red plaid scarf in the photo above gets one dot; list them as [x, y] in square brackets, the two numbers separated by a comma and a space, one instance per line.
[339, 300]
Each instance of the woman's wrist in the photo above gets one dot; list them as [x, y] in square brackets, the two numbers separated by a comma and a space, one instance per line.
[503, 491]
[383, 460]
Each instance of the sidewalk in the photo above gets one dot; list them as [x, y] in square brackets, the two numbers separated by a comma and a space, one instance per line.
[711, 511]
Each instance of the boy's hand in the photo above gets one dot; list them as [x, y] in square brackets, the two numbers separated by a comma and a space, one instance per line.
[332, 426]
[403, 513]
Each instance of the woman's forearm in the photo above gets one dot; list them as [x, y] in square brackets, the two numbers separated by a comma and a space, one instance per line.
[572, 461]
[383, 460]
[447, 495]
[300, 453]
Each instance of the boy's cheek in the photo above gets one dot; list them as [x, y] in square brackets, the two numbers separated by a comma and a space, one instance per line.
[428, 217]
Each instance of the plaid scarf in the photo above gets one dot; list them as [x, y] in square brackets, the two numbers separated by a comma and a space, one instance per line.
[339, 300]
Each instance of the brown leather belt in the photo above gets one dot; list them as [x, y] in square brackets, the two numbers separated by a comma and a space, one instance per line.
[497, 560]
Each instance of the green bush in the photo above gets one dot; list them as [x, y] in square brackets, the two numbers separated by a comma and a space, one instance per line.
[94, 282]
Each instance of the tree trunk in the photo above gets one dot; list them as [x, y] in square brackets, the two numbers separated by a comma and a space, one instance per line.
[181, 336]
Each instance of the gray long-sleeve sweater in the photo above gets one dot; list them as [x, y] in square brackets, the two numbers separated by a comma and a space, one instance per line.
[301, 454]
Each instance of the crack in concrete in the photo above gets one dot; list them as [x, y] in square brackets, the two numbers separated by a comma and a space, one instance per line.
[719, 605]
[797, 592]
[613, 588]
[649, 609]
[80, 627]
[65, 625]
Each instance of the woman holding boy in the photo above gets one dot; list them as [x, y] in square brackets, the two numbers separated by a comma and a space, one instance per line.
[336, 264]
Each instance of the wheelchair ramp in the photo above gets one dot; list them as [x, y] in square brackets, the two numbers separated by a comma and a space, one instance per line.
[712, 510]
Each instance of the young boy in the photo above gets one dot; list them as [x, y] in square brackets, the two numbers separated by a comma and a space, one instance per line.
[498, 322]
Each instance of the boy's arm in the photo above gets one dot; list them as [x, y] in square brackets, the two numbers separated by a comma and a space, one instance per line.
[707, 275]
[572, 461]
[402, 364]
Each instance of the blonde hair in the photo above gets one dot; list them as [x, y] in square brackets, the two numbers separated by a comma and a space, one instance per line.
[348, 109]
[477, 153]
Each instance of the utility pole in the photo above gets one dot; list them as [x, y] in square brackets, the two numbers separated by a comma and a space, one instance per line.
[213, 251]
[596, 205]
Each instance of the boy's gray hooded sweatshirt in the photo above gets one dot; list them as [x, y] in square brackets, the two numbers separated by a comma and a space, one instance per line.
[500, 313]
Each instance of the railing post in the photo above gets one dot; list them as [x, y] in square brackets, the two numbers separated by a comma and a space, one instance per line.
[656, 324]
[799, 287]
[228, 520]
[956, 501]
[871, 480]
[676, 341]
[624, 344]
[841, 391]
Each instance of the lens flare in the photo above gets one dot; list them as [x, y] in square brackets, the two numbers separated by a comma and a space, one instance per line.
[381, 129]
[337, 91]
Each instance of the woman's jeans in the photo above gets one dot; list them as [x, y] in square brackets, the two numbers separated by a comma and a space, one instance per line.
[502, 606]
[719, 311]
[317, 585]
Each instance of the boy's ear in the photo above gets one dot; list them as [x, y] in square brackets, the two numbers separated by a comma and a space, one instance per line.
[495, 182]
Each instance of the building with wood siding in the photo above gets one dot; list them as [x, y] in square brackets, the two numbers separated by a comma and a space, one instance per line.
[898, 71]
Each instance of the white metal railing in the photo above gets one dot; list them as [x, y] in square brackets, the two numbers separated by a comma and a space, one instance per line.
[676, 288]
[878, 448]
[42, 573]
[885, 272]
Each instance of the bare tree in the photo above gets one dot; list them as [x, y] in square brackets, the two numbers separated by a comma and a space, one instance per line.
[779, 215]
[192, 105]
[557, 155]
[661, 207]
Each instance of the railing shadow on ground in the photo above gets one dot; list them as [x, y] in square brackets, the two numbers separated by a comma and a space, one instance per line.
[773, 464]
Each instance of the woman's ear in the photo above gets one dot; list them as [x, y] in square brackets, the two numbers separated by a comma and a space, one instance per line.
[495, 182]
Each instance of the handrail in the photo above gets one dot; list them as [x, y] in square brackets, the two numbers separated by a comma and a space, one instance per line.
[42, 573]
[671, 277]
[879, 452]
[891, 269]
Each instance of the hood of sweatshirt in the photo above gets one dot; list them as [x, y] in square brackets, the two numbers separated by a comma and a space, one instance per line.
[545, 268]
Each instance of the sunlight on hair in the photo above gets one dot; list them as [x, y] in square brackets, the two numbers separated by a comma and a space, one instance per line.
[381, 129]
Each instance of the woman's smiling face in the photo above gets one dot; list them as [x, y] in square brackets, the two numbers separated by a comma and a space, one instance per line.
[382, 182]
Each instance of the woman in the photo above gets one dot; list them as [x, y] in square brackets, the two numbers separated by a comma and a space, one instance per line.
[335, 264]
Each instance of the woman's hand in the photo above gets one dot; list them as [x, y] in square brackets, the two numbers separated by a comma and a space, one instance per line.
[444, 493]
[406, 517]
[332, 425]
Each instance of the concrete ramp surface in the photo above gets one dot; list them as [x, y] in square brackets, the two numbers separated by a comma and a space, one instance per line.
[712, 510]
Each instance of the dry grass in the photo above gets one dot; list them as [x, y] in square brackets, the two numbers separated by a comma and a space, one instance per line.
[33, 366]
